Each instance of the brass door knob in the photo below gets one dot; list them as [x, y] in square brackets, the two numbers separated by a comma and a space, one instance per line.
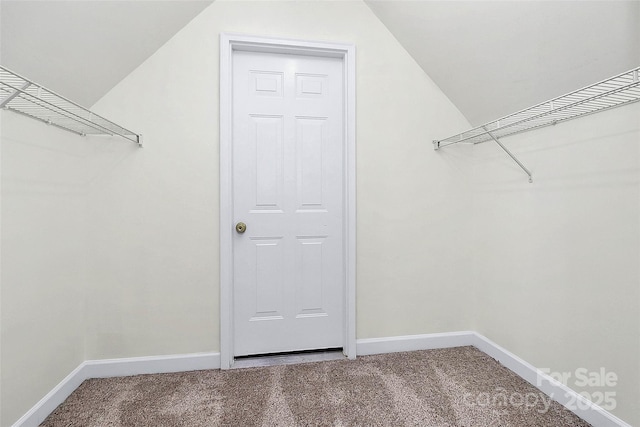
[241, 227]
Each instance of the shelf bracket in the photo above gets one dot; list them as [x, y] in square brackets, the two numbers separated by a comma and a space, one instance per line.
[14, 94]
[514, 158]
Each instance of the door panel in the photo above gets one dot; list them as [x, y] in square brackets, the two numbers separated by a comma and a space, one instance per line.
[310, 136]
[265, 134]
[268, 290]
[309, 284]
[288, 172]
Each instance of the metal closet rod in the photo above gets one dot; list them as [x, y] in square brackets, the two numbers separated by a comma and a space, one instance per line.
[20, 100]
[615, 91]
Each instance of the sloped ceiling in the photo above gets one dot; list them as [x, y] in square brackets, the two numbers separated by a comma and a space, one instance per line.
[492, 58]
[81, 49]
[489, 57]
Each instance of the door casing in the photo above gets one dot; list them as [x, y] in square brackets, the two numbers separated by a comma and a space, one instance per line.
[233, 42]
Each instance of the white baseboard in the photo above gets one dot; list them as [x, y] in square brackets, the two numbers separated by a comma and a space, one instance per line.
[107, 368]
[559, 392]
[572, 400]
[369, 346]
[36, 415]
[585, 409]
[115, 368]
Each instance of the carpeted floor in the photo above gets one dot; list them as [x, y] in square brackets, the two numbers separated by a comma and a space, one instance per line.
[449, 387]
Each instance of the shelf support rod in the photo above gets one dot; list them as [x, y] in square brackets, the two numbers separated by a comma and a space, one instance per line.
[514, 158]
[14, 94]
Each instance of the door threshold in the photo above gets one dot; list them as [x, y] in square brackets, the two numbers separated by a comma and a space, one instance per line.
[293, 358]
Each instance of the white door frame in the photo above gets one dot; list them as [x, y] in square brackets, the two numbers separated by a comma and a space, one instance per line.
[229, 43]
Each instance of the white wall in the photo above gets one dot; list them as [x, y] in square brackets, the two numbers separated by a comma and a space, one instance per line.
[44, 183]
[556, 271]
[154, 217]
[554, 264]
[109, 250]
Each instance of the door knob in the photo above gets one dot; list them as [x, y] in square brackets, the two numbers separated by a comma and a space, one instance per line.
[241, 227]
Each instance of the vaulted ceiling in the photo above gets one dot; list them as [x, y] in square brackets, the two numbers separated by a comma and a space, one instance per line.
[82, 49]
[489, 57]
[492, 58]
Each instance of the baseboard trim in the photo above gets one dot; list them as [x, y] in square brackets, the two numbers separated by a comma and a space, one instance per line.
[572, 400]
[106, 368]
[397, 344]
[115, 368]
[562, 394]
[41, 410]
[567, 397]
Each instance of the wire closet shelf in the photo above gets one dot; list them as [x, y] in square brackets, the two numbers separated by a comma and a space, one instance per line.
[613, 92]
[23, 96]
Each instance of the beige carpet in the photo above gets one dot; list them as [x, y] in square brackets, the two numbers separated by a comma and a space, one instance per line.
[449, 387]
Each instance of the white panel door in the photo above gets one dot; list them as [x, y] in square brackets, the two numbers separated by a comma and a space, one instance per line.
[288, 172]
